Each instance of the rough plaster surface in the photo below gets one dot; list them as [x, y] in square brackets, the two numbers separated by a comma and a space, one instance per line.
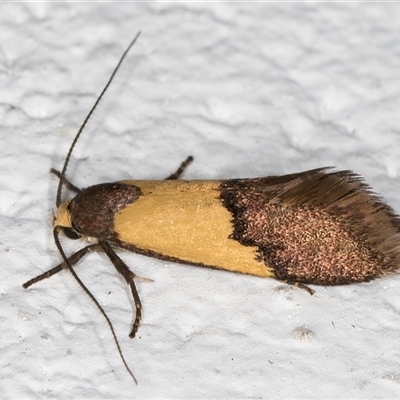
[249, 89]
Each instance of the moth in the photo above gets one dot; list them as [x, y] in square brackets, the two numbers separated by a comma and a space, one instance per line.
[319, 227]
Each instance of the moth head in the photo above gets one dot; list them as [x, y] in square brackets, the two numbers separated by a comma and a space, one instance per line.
[63, 221]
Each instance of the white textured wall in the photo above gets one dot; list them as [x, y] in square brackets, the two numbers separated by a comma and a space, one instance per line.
[248, 89]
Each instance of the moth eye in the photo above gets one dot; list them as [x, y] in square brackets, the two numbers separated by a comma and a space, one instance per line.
[71, 234]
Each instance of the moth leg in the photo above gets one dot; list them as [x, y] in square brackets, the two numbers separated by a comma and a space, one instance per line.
[180, 170]
[129, 276]
[72, 260]
[304, 287]
[299, 285]
[65, 182]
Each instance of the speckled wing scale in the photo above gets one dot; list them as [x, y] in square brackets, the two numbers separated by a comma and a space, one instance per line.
[314, 227]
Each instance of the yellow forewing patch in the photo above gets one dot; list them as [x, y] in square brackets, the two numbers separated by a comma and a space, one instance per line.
[186, 220]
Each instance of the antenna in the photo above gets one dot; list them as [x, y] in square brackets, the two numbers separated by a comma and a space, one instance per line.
[65, 166]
